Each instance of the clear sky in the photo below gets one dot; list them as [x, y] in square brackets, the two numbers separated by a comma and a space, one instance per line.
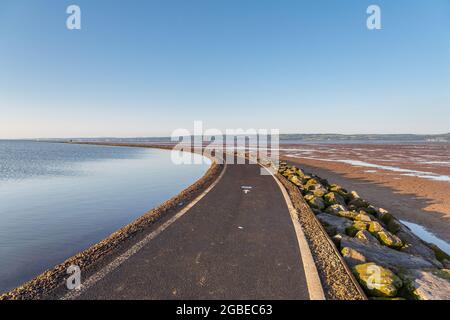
[145, 68]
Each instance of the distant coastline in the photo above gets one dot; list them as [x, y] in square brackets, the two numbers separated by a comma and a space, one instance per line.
[284, 138]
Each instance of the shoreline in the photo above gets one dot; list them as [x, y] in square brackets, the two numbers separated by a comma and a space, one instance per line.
[49, 280]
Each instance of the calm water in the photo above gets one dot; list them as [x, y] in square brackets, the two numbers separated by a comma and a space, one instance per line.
[58, 199]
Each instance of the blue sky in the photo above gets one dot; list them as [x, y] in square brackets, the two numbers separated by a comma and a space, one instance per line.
[145, 68]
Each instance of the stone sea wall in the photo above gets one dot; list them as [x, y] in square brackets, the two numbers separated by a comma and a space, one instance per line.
[387, 259]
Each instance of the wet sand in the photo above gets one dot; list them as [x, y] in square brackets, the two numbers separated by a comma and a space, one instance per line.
[411, 181]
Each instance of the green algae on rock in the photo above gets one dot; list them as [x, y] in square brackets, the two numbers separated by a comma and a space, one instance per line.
[355, 227]
[378, 281]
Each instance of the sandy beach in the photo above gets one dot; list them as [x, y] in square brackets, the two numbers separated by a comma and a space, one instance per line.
[410, 180]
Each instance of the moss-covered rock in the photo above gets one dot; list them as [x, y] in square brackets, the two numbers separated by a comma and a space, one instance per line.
[367, 236]
[377, 281]
[315, 188]
[393, 226]
[388, 239]
[318, 193]
[347, 214]
[358, 203]
[287, 173]
[333, 198]
[440, 255]
[362, 216]
[341, 191]
[334, 187]
[371, 210]
[335, 208]
[311, 182]
[375, 227]
[384, 215]
[296, 180]
[355, 227]
[315, 202]
[416, 246]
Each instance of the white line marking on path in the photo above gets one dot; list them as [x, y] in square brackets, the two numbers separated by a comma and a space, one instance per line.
[138, 246]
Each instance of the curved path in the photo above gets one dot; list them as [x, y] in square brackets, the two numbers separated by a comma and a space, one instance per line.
[232, 244]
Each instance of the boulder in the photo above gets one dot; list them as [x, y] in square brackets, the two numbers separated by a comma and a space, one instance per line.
[333, 198]
[375, 227]
[287, 172]
[356, 201]
[388, 239]
[440, 255]
[337, 240]
[414, 245]
[318, 192]
[296, 180]
[347, 214]
[317, 189]
[377, 281]
[383, 215]
[323, 181]
[306, 178]
[431, 284]
[354, 195]
[311, 182]
[333, 224]
[385, 256]
[335, 208]
[315, 202]
[371, 210]
[352, 257]
[338, 189]
[334, 187]
[367, 236]
[355, 227]
[362, 216]
[393, 226]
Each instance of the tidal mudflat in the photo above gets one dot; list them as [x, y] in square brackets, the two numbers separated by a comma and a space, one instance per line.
[411, 180]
